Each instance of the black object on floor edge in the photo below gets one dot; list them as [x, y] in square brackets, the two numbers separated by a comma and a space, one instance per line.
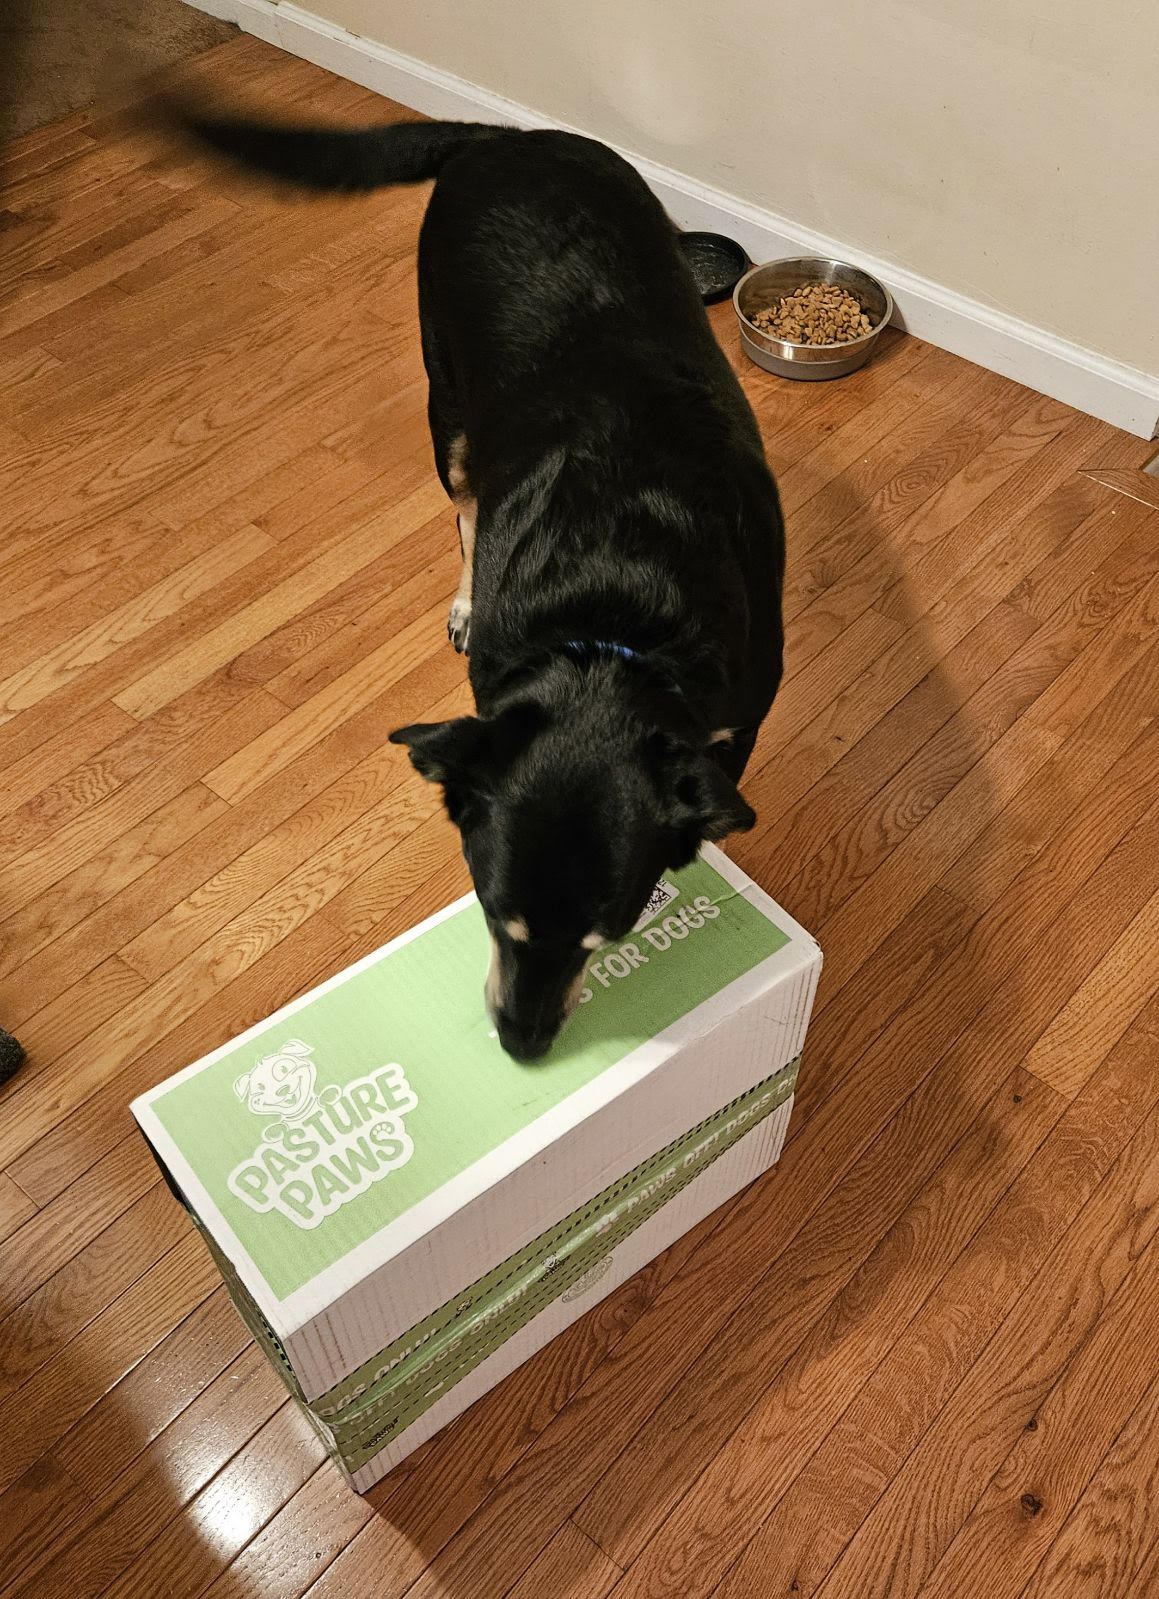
[717, 264]
[11, 1055]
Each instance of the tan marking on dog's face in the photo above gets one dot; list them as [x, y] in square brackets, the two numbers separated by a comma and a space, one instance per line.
[723, 735]
[593, 940]
[516, 930]
[572, 997]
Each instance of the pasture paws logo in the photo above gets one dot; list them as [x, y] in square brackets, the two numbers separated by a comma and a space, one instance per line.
[324, 1146]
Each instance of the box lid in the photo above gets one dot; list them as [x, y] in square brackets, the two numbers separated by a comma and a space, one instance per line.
[324, 1135]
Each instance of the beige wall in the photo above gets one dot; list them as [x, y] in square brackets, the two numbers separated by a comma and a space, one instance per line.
[1007, 149]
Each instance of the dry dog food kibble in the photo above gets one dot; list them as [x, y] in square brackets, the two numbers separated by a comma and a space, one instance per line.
[816, 313]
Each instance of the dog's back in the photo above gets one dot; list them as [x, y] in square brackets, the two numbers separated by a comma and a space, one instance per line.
[600, 408]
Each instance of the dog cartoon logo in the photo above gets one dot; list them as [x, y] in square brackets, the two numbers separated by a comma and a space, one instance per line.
[321, 1147]
[284, 1085]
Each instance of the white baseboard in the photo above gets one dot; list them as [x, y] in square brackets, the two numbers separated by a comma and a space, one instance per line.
[1119, 394]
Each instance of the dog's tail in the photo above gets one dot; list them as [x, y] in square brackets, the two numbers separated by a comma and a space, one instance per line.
[331, 159]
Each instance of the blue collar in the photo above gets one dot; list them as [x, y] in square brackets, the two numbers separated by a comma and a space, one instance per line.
[589, 647]
[600, 647]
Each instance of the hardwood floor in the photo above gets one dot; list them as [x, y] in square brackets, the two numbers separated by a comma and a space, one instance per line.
[917, 1362]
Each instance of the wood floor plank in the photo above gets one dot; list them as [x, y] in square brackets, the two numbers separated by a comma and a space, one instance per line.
[850, 766]
[793, 426]
[1109, 1545]
[916, 1518]
[68, 1146]
[1031, 490]
[69, 749]
[44, 576]
[44, 1498]
[425, 590]
[722, 1476]
[1011, 995]
[810, 1524]
[209, 968]
[860, 456]
[466, 1460]
[289, 1553]
[202, 455]
[103, 877]
[852, 1009]
[314, 643]
[333, 778]
[73, 1014]
[16, 1207]
[923, 654]
[991, 407]
[50, 1238]
[126, 784]
[887, 553]
[1134, 484]
[1099, 1012]
[1029, 1497]
[1117, 743]
[60, 664]
[571, 1566]
[1084, 682]
[278, 854]
[39, 1326]
[37, 1414]
[918, 860]
[185, 222]
[227, 1513]
[333, 705]
[162, 1386]
[851, 853]
[132, 1503]
[314, 533]
[203, 656]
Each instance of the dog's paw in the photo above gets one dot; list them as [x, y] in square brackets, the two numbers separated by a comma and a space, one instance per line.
[459, 626]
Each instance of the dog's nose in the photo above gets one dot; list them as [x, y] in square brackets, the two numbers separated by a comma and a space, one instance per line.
[523, 1043]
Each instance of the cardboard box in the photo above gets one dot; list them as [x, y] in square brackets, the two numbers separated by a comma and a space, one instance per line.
[403, 1214]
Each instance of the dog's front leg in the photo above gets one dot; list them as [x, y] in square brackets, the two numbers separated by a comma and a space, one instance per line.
[459, 618]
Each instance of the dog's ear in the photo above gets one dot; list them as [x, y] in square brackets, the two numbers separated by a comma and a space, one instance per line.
[468, 747]
[444, 752]
[241, 1086]
[455, 754]
[715, 802]
[708, 804]
[702, 801]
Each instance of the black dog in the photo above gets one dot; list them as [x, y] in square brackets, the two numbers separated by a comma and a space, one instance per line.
[622, 542]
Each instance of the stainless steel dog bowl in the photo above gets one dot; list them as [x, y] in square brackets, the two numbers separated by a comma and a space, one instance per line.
[764, 285]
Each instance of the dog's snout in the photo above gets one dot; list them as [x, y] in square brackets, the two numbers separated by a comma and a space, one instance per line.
[523, 1042]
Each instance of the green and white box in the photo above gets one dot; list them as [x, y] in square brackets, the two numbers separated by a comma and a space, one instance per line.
[403, 1214]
